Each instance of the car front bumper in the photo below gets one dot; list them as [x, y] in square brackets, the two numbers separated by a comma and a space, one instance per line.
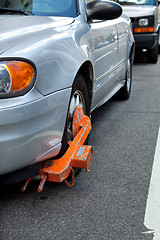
[146, 41]
[31, 128]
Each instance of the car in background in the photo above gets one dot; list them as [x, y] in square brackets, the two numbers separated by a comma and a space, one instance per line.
[145, 20]
[55, 55]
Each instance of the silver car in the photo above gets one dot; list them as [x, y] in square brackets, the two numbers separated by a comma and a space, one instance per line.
[54, 55]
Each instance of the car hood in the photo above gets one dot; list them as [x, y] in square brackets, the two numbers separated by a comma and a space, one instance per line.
[138, 11]
[16, 29]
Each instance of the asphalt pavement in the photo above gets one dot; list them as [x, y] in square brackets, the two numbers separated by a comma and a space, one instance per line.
[109, 202]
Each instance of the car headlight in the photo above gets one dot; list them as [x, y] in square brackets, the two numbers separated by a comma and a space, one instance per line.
[143, 22]
[16, 78]
[144, 25]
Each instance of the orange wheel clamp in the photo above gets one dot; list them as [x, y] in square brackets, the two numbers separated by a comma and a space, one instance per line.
[77, 155]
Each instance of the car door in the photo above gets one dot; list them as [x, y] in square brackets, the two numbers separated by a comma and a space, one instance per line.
[123, 33]
[104, 34]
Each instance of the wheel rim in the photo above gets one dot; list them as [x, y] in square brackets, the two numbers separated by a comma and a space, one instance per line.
[128, 82]
[77, 99]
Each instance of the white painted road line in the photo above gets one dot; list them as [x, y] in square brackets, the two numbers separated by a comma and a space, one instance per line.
[152, 214]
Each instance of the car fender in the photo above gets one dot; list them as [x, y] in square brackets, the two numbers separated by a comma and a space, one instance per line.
[57, 54]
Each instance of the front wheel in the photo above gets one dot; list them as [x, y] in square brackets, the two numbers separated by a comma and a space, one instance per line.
[79, 96]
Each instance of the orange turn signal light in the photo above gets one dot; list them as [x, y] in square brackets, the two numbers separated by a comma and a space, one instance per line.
[144, 30]
[21, 74]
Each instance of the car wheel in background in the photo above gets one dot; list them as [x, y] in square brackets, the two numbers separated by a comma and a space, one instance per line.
[152, 54]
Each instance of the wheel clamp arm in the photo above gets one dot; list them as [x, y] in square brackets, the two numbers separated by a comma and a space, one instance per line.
[77, 155]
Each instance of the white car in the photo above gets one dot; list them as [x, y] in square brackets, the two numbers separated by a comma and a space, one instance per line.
[145, 20]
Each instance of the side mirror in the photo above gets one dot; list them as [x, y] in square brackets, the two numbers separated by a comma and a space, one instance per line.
[103, 10]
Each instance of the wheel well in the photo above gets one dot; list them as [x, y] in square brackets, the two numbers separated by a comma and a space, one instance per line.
[86, 70]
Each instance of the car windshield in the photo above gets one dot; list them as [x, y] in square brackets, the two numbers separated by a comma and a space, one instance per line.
[64, 8]
[136, 2]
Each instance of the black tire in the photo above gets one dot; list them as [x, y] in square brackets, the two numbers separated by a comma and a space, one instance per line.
[79, 90]
[152, 54]
[125, 91]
